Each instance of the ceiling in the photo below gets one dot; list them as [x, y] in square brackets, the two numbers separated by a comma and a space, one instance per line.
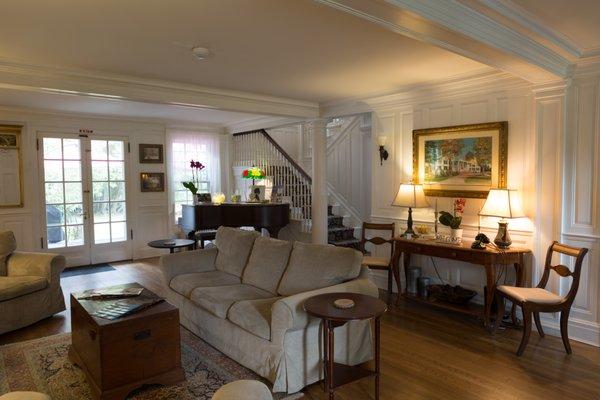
[579, 20]
[296, 49]
[121, 108]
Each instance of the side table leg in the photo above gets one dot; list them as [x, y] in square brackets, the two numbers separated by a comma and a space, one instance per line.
[325, 353]
[330, 359]
[377, 355]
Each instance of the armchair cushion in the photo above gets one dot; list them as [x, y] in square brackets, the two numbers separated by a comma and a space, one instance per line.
[218, 299]
[234, 247]
[185, 283]
[315, 266]
[15, 286]
[8, 244]
[267, 262]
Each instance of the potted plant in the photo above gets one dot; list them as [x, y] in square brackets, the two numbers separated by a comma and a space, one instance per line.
[455, 219]
[192, 185]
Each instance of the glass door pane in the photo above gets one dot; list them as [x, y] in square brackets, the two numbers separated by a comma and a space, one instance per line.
[108, 191]
[63, 192]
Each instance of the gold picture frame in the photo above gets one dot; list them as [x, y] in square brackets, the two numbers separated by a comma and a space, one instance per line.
[11, 154]
[462, 160]
[152, 181]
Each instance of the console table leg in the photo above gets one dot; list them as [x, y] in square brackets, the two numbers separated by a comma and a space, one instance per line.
[489, 295]
[377, 355]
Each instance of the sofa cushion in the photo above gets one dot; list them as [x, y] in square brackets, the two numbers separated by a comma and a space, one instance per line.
[234, 247]
[185, 283]
[253, 316]
[267, 262]
[218, 299]
[8, 244]
[315, 266]
[15, 286]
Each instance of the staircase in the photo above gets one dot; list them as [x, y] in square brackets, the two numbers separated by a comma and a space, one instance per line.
[339, 234]
[258, 148]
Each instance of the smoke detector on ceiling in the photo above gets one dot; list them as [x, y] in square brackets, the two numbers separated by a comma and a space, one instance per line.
[201, 53]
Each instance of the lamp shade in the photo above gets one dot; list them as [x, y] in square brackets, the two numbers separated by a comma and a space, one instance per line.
[410, 195]
[381, 140]
[504, 203]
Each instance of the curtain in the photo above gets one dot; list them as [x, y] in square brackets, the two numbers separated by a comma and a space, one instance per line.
[183, 147]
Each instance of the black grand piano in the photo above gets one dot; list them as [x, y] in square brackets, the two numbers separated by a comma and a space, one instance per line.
[269, 216]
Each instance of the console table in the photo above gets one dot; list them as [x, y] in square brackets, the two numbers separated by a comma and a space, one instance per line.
[489, 259]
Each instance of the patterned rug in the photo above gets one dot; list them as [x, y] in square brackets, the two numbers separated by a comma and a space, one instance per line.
[42, 365]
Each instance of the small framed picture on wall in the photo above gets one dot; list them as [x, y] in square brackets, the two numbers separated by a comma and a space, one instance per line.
[152, 181]
[151, 153]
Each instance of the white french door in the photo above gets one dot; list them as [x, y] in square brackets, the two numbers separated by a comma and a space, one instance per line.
[84, 188]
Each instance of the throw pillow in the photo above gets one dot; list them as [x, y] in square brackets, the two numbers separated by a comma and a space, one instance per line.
[8, 244]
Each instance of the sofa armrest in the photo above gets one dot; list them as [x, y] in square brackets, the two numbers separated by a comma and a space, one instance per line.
[187, 262]
[288, 313]
[46, 265]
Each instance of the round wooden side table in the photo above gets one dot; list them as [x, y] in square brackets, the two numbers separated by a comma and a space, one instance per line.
[172, 244]
[365, 307]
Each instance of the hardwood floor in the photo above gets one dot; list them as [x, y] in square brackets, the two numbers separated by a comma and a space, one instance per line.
[426, 353]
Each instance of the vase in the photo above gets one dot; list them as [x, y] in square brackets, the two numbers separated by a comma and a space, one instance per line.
[456, 235]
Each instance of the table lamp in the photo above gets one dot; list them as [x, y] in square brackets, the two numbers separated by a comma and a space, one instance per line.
[411, 196]
[503, 203]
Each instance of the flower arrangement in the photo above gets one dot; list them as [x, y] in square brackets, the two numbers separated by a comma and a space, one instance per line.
[455, 219]
[192, 185]
[253, 173]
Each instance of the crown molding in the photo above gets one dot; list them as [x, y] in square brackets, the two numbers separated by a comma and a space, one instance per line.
[459, 86]
[460, 18]
[455, 27]
[529, 21]
[39, 78]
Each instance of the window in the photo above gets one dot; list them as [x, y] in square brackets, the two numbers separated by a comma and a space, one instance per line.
[183, 148]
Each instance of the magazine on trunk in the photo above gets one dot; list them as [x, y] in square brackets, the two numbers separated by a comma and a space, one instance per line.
[110, 293]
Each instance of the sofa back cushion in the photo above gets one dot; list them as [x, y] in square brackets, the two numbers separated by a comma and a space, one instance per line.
[234, 246]
[315, 266]
[267, 262]
[8, 244]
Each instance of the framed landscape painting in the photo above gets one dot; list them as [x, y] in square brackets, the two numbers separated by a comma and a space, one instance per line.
[461, 161]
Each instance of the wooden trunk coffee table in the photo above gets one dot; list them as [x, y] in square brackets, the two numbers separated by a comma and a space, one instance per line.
[121, 355]
[365, 307]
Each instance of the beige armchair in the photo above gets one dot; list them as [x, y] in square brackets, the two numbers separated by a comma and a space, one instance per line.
[29, 285]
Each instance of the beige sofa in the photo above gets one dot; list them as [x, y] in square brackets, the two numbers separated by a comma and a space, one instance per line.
[29, 285]
[245, 297]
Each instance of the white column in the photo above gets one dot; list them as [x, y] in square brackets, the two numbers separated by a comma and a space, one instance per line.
[319, 182]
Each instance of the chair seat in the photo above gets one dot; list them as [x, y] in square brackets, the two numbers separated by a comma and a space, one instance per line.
[15, 286]
[370, 261]
[531, 295]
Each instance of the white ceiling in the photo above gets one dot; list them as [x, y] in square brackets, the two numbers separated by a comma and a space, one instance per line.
[290, 48]
[121, 108]
[579, 20]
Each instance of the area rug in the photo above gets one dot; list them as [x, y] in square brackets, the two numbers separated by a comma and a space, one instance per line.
[86, 270]
[42, 365]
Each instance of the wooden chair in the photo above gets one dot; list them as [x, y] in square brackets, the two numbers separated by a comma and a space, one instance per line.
[380, 263]
[533, 301]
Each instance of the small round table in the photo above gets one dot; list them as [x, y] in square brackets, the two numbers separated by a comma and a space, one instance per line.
[172, 244]
[365, 307]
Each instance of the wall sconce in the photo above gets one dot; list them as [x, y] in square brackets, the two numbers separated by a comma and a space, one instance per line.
[383, 153]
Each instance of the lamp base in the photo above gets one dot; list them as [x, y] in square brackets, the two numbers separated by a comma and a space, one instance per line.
[502, 239]
[409, 225]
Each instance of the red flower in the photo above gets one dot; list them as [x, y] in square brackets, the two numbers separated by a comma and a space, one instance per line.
[245, 173]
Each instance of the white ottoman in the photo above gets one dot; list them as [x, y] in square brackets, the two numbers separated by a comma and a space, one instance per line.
[243, 390]
[24, 396]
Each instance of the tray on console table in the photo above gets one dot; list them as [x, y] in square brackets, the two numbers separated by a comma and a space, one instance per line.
[489, 259]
